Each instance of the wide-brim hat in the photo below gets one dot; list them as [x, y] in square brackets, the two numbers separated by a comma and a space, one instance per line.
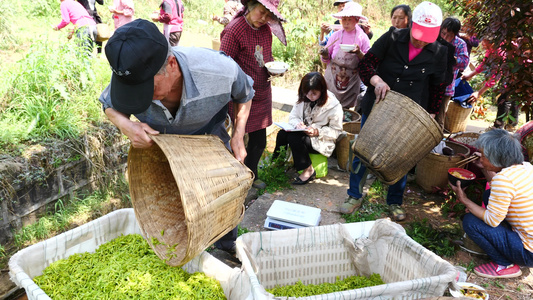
[351, 9]
[136, 52]
[275, 25]
[427, 18]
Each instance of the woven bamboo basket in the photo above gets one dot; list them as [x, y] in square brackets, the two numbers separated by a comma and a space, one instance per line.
[187, 192]
[456, 117]
[432, 170]
[342, 147]
[397, 135]
[467, 138]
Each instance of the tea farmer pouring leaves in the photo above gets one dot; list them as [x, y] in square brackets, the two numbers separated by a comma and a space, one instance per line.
[176, 90]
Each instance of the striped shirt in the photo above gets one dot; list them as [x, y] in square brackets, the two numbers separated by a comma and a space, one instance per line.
[511, 198]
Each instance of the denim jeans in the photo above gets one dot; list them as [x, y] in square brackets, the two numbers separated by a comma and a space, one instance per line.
[358, 179]
[501, 243]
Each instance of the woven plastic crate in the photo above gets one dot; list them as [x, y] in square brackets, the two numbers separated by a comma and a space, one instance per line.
[31, 261]
[320, 254]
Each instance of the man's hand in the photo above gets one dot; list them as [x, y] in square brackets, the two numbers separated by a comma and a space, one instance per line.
[237, 146]
[137, 133]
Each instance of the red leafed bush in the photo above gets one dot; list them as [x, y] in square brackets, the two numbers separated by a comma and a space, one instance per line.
[509, 24]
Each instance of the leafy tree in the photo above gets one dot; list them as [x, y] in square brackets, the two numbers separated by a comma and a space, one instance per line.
[508, 24]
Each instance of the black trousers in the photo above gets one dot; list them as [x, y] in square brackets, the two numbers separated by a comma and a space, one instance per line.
[300, 144]
[256, 145]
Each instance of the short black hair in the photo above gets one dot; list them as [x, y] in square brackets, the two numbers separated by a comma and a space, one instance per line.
[451, 24]
[406, 10]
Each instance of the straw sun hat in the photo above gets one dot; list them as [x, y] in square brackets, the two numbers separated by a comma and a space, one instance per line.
[351, 9]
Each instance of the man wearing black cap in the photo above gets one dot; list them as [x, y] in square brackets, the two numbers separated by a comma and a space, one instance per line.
[180, 90]
[193, 87]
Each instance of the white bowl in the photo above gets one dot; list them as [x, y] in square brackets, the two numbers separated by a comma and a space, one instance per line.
[347, 47]
[277, 67]
[463, 285]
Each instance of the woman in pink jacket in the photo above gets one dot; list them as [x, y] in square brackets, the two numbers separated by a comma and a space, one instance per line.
[85, 27]
[122, 11]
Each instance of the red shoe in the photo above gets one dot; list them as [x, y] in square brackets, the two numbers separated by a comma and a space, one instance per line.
[490, 270]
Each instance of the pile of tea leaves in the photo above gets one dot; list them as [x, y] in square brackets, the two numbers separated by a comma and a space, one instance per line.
[124, 268]
[349, 283]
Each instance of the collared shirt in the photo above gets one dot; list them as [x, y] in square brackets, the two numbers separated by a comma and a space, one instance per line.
[205, 97]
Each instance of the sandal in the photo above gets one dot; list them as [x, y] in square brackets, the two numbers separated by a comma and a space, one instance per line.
[397, 212]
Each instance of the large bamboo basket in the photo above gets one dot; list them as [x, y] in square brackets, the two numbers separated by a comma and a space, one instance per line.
[456, 117]
[187, 192]
[396, 136]
[432, 170]
[342, 147]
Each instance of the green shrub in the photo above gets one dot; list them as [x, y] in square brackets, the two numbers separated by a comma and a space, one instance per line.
[52, 95]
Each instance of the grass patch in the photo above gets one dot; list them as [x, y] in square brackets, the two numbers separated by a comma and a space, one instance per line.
[372, 207]
[273, 172]
[437, 240]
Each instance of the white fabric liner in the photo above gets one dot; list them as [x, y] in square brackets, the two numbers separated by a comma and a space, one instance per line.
[321, 254]
[31, 261]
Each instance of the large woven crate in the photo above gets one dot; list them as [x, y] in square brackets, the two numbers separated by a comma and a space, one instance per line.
[396, 136]
[31, 261]
[187, 192]
[321, 254]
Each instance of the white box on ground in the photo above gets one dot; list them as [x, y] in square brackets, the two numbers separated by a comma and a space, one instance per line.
[284, 215]
[31, 261]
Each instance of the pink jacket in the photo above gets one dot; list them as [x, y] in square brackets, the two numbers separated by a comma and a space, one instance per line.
[125, 6]
[73, 12]
[172, 15]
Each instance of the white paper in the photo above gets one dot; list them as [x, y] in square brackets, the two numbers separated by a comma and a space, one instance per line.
[287, 127]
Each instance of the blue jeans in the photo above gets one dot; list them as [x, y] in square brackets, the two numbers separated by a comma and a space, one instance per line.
[501, 243]
[358, 179]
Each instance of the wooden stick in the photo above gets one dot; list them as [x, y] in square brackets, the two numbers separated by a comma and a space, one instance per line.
[466, 160]
[331, 43]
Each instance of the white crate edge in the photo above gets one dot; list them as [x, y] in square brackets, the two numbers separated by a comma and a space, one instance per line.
[356, 230]
[31, 261]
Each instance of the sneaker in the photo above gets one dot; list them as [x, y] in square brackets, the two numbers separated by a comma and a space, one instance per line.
[493, 270]
[259, 184]
[350, 205]
[397, 212]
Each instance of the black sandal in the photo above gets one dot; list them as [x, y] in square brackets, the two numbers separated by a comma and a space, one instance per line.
[299, 181]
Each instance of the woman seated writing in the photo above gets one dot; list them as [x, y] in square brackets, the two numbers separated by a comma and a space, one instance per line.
[503, 227]
[320, 114]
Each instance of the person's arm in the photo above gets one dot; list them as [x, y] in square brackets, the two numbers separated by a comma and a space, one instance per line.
[136, 132]
[242, 93]
[475, 209]
[241, 111]
[462, 58]
[65, 18]
[475, 95]
[128, 9]
[165, 14]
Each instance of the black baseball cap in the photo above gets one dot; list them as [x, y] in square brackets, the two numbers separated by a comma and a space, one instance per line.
[136, 52]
